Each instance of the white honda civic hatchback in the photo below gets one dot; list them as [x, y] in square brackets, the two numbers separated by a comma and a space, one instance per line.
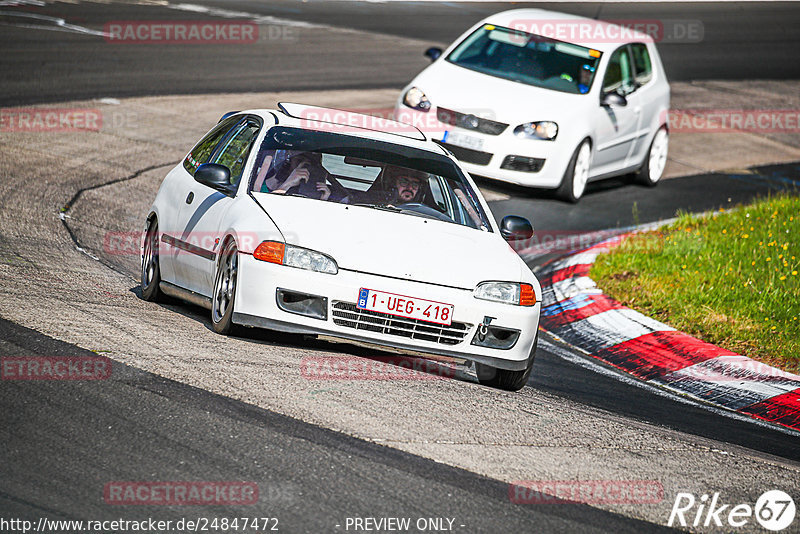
[310, 220]
[548, 100]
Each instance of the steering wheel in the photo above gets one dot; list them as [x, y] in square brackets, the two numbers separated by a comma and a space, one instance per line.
[424, 209]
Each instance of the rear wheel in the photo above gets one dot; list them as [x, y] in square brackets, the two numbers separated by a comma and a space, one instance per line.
[573, 184]
[503, 378]
[656, 160]
[151, 272]
[225, 289]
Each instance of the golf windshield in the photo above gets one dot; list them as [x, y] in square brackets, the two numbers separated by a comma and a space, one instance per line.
[350, 170]
[527, 58]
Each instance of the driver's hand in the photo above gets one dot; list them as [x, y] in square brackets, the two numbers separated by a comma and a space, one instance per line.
[326, 191]
[300, 174]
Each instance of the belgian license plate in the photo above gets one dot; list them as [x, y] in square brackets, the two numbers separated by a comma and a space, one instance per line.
[463, 140]
[404, 306]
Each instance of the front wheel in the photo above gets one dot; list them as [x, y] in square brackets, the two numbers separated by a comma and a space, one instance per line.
[225, 289]
[656, 160]
[503, 378]
[151, 271]
[573, 184]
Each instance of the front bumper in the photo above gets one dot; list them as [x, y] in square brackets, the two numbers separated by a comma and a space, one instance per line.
[257, 305]
[496, 148]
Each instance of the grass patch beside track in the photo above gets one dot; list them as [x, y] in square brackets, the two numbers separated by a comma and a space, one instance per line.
[731, 279]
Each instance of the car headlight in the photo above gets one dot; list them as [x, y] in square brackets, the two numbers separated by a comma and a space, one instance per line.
[547, 130]
[415, 98]
[291, 256]
[506, 292]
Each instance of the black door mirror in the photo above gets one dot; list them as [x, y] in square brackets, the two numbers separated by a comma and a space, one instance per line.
[614, 99]
[433, 53]
[216, 177]
[514, 228]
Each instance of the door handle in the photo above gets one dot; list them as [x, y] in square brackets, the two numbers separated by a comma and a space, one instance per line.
[190, 197]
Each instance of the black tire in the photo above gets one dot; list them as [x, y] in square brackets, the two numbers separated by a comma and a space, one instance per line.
[151, 270]
[567, 190]
[503, 378]
[224, 293]
[643, 176]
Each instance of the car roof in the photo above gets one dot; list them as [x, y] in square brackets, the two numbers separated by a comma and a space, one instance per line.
[529, 19]
[351, 123]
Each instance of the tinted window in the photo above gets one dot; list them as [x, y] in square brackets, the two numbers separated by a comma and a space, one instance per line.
[528, 58]
[642, 64]
[233, 153]
[366, 173]
[205, 148]
[619, 75]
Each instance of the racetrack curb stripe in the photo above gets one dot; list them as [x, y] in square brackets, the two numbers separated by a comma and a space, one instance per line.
[783, 409]
[575, 310]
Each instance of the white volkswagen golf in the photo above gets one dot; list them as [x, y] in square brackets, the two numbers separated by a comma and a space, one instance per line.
[545, 99]
[308, 220]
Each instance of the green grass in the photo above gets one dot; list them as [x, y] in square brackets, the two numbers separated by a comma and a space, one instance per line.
[731, 279]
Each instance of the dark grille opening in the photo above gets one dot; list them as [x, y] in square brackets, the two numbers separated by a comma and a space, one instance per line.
[522, 164]
[467, 155]
[348, 315]
[470, 122]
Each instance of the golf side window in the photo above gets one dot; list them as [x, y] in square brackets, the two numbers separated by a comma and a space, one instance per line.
[643, 67]
[619, 74]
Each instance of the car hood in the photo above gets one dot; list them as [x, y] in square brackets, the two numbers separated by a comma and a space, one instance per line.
[468, 91]
[394, 244]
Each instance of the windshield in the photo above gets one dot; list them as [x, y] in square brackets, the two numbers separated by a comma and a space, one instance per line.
[349, 170]
[528, 58]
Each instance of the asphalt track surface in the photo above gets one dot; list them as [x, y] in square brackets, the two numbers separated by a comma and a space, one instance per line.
[748, 40]
[138, 424]
[61, 438]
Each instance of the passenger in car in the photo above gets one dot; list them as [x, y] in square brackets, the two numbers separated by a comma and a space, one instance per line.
[302, 174]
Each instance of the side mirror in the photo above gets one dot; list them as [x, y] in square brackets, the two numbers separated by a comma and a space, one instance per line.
[514, 228]
[216, 177]
[613, 99]
[433, 53]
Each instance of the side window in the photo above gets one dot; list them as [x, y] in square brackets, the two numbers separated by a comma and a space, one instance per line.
[641, 64]
[236, 149]
[619, 75]
[439, 194]
[203, 150]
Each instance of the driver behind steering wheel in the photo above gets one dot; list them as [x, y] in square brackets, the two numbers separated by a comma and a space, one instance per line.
[404, 186]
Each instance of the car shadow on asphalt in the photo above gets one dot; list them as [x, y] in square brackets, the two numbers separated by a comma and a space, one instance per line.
[519, 191]
[402, 361]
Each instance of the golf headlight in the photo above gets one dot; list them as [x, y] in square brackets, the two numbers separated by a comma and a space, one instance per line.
[415, 98]
[506, 292]
[547, 130]
[302, 258]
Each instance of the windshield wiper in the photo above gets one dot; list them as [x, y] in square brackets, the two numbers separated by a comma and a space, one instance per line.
[380, 207]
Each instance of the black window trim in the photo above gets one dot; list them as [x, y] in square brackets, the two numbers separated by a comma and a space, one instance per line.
[633, 64]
